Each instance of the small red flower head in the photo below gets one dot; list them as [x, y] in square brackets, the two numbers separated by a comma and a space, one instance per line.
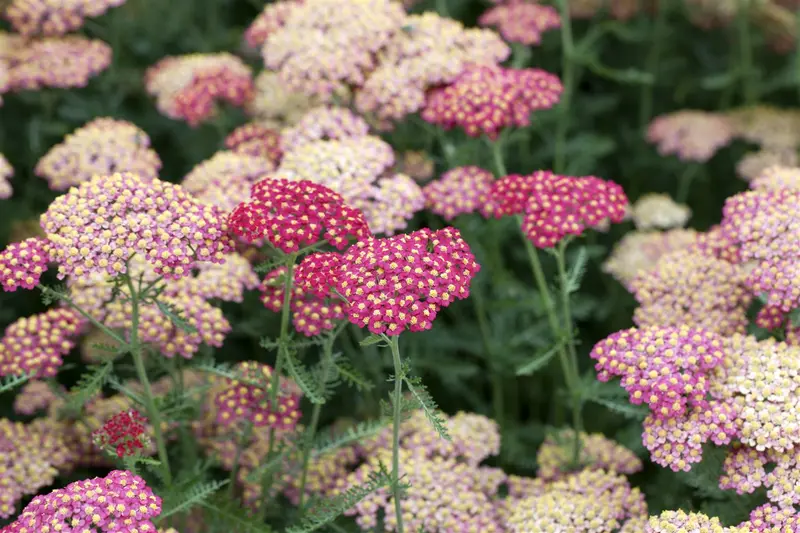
[291, 214]
[403, 281]
[459, 191]
[125, 433]
[23, 263]
[249, 399]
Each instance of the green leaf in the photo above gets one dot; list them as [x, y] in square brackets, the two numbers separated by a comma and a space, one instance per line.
[428, 405]
[635, 412]
[195, 495]
[304, 379]
[351, 375]
[794, 317]
[372, 339]
[225, 512]
[89, 385]
[578, 270]
[175, 316]
[539, 361]
[363, 430]
[716, 82]
[11, 382]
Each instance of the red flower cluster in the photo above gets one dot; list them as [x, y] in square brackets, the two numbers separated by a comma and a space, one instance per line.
[125, 433]
[555, 206]
[23, 263]
[244, 400]
[485, 99]
[291, 214]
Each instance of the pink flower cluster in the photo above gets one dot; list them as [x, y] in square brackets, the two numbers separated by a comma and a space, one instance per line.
[125, 433]
[460, 190]
[54, 17]
[225, 179]
[324, 123]
[485, 99]
[691, 135]
[256, 140]
[521, 22]
[23, 263]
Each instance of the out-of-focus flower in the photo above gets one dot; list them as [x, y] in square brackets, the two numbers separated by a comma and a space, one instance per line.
[225, 179]
[98, 225]
[673, 521]
[30, 457]
[23, 263]
[271, 19]
[417, 165]
[102, 146]
[224, 281]
[257, 140]
[6, 171]
[248, 400]
[274, 105]
[125, 433]
[326, 473]
[777, 177]
[485, 99]
[95, 346]
[381, 294]
[769, 519]
[771, 128]
[521, 22]
[619, 9]
[54, 17]
[188, 87]
[596, 453]
[119, 498]
[691, 135]
[293, 214]
[659, 211]
[61, 62]
[36, 395]
[754, 164]
[709, 14]
[690, 287]
[459, 191]
[324, 45]
[640, 251]
[428, 52]
[592, 501]
[324, 124]
[37, 343]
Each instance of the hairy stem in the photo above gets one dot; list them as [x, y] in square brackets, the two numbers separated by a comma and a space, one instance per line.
[646, 99]
[397, 400]
[568, 80]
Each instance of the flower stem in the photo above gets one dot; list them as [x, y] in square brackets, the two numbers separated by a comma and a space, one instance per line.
[746, 52]
[495, 376]
[685, 183]
[135, 348]
[496, 146]
[567, 79]
[646, 100]
[397, 399]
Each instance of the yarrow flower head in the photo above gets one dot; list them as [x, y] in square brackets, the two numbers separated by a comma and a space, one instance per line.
[54, 17]
[672, 521]
[248, 399]
[23, 263]
[521, 22]
[36, 344]
[109, 504]
[276, 106]
[271, 19]
[291, 214]
[460, 190]
[691, 135]
[60, 62]
[777, 177]
[97, 226]
[771, 128]
[485, 99]
[102, 146]
[226, 178]
[124, 433]
[596, 453]
[403, 281]
[416, 164]
[324, 123]
[6, 171]
[36, 395]
[754, 164]
[188, 87]
[659, 211]
[257, 140]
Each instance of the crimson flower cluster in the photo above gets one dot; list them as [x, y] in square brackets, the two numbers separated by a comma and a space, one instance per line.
[125, 433]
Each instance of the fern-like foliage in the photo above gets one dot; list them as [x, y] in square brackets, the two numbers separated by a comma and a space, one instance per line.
[53, 294]
[175, 316]
[328, 442]
[350, 374]
[89, 385]
[578, 270]
[12, 382]
[326, 511]
[426, 402]
[177, 501]
[304, 378]
[223, 513]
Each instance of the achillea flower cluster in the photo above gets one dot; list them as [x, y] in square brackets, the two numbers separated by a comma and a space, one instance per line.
[271, 19]
[692, 287]
[294, 214]
[691, 135]
[326, 473]
[771, 128]
[30, 457]
[36, 395]
[485, 99]
[325, 123]
[6, 171]
[592, 501]
[403, 281]
[770, 519]
[257, 140]
[777, 177]
[225, 179]
[429, 51]
[36, 344]
[619, 9]
[120, 501]
[753, 164]
[672, 521]
[325, 45]
[188, 87]
[521, 22]
[97, 226]
[125, 433]
[53, 17]
[225, 281]
[416, 164]
[102, 146]
[458, 191]
[555, 206]
[59, 62]
[23, 263]
[248, 400]
[276, 106]
[659, 211]
[596, 453]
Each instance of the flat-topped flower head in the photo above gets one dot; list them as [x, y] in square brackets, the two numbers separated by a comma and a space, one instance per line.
[274, 104]
[54, 17]
[769, 518]
[120, 501]
[59, 62]
[256, 139]
[271, 19]
[226, 178]
[36, 344]
[124, 433]
[294, 214]
[777, 177]
[485, 99]
[659, 211]
[521, 22]
[596, 453]
[691, 135]
[102, 146]
[640, 251]
[6, 171]
[401, 282]
[674, 521]
[458, 191]
[248, 399]
[188, 87]
[323, 124]
[226, 281]
[99, 225]
[23, 263]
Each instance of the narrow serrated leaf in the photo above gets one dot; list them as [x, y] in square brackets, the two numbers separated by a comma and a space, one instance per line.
[11, 382]
[539, 361]
[303, 378]
[636, 412]
[194, 496]
[175, 316]
[372, 339]
[89, 385]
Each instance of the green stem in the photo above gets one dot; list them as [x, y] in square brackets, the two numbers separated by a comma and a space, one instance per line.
[496, 147]
[746, 52]
[248, 432]
[397, 401]
[495, 376]
[135, 348]
[568, 80]
[96, 323]
[442, 9]
[685, 183]
[646, 101]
